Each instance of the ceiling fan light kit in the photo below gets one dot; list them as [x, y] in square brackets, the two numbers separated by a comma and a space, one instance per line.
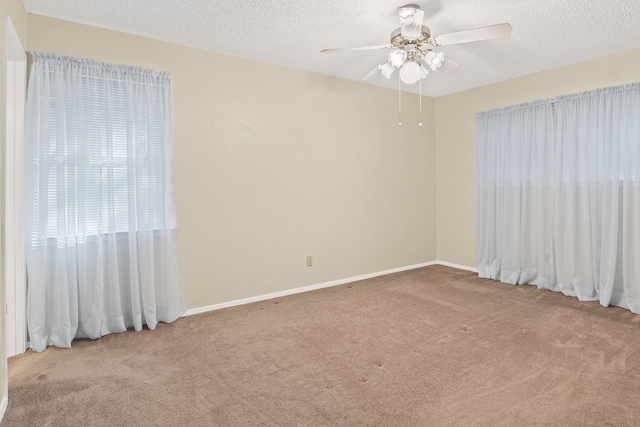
[412, 53]
[386, 69]
[434, 60]
[410, 73]
[397, 57]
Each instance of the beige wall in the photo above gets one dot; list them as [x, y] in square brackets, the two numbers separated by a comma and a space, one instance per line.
[14, 9]
[455, 116]
[273, 164]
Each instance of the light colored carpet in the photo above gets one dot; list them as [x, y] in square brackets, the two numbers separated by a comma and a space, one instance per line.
[428, 347]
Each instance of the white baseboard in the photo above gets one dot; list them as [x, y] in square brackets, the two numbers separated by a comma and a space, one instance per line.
[458, 266]
[3, 407]
[280, 294]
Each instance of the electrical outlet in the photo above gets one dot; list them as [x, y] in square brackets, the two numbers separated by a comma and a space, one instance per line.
[309, 260]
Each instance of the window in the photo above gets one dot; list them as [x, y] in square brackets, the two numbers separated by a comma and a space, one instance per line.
[105, 154]
[99, 200]
[578, 233]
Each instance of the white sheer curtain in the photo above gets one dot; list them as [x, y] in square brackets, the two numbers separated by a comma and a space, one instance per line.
[514, 193]
[581, 234]
[100, 220]
[597, 204]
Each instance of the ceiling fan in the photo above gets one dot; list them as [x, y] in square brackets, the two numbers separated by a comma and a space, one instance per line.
[412, 46]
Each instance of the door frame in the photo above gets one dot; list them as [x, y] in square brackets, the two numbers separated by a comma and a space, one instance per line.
[15, 67]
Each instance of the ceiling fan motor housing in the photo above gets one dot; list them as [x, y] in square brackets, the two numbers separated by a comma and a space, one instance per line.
[413, 48]
[397, 40]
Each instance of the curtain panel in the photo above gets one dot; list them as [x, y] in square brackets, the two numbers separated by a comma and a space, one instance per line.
[514, 193]
[558, 195]
[100, 220]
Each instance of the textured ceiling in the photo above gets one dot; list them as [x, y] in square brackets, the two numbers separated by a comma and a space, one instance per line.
[546, 33]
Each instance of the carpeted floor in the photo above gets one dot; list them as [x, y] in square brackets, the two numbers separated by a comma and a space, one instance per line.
[428, 347]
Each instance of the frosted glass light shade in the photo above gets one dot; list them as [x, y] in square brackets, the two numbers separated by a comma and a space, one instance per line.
[423, 72]
[410, 73]
[397, 57]
[386, 69]
[434, 60]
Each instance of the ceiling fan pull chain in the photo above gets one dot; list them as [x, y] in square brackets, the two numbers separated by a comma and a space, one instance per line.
[420, 88]
[399, 102]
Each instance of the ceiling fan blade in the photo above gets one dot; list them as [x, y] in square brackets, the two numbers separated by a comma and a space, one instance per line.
[449, 66]
[351, 49]
[411, 21]
[477, 34]
[371, 75]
